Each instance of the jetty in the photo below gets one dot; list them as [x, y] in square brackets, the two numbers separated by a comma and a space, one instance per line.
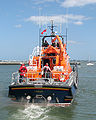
[26, 62]
[13, 62]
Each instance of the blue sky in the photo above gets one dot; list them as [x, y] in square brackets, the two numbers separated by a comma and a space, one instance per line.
[19, 26]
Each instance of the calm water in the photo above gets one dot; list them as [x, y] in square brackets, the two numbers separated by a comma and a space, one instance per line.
[83, 107]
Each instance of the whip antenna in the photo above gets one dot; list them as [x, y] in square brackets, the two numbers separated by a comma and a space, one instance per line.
[66, 26]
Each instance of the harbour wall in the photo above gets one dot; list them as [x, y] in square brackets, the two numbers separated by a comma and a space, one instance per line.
[26, 62]
[13, 62]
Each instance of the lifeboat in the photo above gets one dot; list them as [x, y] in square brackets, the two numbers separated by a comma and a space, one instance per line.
[50, 79]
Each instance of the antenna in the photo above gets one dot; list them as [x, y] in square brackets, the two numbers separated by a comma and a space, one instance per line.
[39, 27]
[52, 28]
[66, 38]
[60, 28]
[66, 27]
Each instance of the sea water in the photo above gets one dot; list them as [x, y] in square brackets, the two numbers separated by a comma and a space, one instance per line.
[83, 107]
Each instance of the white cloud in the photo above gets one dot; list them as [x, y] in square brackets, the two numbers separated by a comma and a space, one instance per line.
[77, 3]
[43, 1]
[78, 23]
[70, 18]
[18, 26]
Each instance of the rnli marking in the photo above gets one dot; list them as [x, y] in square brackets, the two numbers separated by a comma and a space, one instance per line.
[40, 88]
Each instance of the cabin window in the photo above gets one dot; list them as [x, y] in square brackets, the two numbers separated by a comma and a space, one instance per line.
[51, 54]
[43, 54]
[54, 60]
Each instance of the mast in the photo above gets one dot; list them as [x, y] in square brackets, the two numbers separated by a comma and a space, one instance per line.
[52, 28]
[66, 38]
[66, 27]
[39, 28]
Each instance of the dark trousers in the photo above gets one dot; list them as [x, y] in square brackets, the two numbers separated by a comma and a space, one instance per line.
[21, 78]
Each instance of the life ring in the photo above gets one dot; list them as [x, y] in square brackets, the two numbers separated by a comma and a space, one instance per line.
[62, 77]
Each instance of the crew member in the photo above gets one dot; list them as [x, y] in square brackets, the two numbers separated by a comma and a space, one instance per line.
[22, 71]
[46, 69]
[46, 43]
[53, 44]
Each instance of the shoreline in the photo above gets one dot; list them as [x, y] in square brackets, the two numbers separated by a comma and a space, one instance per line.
[14, 63]
[26, 63]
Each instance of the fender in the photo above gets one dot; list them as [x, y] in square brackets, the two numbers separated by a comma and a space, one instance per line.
[62, 77]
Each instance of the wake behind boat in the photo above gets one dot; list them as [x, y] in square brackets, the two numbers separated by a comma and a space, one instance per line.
[48, 78]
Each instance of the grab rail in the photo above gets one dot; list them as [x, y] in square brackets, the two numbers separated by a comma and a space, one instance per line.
[28, 77]
[36, 77]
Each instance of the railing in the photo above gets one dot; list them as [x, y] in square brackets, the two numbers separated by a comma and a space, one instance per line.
[15, 77]
[30, 77]
[36, 52]
[36, 77]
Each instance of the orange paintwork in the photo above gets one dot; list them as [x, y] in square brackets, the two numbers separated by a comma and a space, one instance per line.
[59, 67]
[51, 49]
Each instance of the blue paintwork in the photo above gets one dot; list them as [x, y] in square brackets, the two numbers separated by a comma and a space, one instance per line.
[55, 94]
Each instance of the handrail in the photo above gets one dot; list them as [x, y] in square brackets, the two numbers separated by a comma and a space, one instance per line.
[39, 78]
[36, 51]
